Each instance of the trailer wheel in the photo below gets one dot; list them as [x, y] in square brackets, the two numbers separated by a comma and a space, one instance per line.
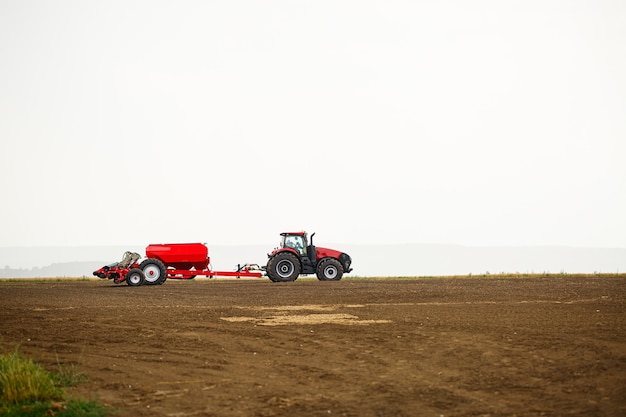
[135, 277]
[154, 270]
[329, 269]
[283, 267]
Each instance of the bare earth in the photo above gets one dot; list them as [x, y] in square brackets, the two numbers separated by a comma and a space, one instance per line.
[422, 347]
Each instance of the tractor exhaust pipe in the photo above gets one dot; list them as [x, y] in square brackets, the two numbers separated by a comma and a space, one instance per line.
[312, 250]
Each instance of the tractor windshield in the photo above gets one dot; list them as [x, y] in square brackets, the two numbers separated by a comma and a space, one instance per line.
[295, 242]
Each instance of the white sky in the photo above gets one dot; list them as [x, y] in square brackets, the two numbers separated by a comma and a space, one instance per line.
[484, 122]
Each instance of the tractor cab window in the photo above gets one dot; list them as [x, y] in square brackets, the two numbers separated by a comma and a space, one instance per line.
[295, 242]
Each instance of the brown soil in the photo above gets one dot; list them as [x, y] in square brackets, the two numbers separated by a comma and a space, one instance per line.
[422, 347]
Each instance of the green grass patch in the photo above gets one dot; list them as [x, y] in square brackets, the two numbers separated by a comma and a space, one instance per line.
[71, 408]
[28, 390]
[23, 380]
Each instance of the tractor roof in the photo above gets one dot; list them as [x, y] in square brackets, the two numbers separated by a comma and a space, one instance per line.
[293, 233]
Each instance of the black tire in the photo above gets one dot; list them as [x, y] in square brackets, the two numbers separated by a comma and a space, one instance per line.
[329, 269]
[135, 277]
[283, 267]
[154, 271]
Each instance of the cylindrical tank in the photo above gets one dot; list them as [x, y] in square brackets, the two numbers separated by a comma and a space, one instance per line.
[180, 255]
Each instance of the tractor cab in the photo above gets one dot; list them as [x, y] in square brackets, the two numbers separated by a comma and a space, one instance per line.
[296, 241]
[299, 242]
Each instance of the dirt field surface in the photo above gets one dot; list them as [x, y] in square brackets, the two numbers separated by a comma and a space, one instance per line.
[360, 347]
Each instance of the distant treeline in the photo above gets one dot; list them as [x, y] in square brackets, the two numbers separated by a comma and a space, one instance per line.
[68, 269]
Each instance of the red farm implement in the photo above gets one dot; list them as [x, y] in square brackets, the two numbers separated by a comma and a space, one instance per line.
[295, 256]
[171, 260]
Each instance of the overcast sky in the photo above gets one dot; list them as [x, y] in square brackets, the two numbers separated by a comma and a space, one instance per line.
[478, 123]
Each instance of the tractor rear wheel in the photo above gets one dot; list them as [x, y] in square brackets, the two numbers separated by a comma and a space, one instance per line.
[283, 267]
[329, 269]
[135, 277]
[154, 270]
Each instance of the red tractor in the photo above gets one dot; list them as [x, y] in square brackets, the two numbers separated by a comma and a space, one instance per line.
[296, 256]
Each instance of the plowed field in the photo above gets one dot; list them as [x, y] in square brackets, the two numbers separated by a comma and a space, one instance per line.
[423, 347]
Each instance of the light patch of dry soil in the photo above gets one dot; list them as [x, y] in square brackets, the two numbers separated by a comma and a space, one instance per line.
[284, 315]
[429, 347]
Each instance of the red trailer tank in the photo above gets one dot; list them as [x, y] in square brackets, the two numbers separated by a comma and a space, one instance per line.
[180, 255]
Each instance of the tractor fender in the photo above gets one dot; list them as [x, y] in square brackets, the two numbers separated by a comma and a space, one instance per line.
[277, 251]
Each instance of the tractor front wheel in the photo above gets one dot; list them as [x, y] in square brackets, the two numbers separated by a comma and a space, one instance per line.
[283, 267]
[135, 277]
[329, 269]
[154, 270]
